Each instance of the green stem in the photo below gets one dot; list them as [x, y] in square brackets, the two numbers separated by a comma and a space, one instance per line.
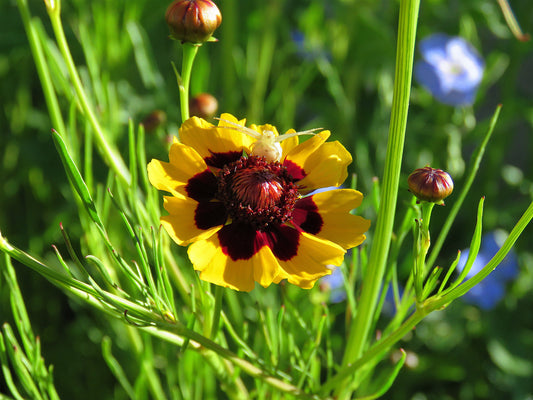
[422, 247]
[512, 23]
[42, 67]
[265, 55]
[375, 351]
[427, 208]
[360, 328]
[447, 296]
[199, 341]
[174, 333]
[229, 32]
[215, 322]
[110, 155]
[432, 304]
[472, 171]
[189, 54]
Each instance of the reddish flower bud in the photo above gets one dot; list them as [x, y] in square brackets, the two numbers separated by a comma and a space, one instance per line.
[430, 184]
[192, 20]
[203, 106]
[154, 119]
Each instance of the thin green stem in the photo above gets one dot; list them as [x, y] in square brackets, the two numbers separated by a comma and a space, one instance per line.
[473, 168]
[189, 54]
[110, 155]
[264, 56]
[421, 248]
[360, 328]
[42, 67]
[199, 341]
[447, 296]
[217, 310]
[229, 31]
[432, 304]
[512, 23]
[377, 349]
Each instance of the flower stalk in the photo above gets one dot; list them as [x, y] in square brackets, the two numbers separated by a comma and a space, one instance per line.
[109, 153]
[448, 295]
[360, 327]
[184, 81]
[41, 66]
[421, 248]
[473, 168]
[433, 303]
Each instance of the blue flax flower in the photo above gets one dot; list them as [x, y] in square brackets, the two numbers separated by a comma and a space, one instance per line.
[334, 284]
[451, 69]
[306, 48]
[490, 290]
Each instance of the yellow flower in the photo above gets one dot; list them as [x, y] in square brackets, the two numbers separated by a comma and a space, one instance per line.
[246, 217]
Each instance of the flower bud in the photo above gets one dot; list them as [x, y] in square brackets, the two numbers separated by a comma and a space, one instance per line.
[203, 106]
[192, 20]
[430, 184]
[153, 120]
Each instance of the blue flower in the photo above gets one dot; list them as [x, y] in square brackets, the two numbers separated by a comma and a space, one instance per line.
[306, 48]
[389, 305]
[451, 69]
[490, 290]
[334, 284]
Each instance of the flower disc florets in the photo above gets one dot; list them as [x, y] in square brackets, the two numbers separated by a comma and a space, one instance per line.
[257, 192]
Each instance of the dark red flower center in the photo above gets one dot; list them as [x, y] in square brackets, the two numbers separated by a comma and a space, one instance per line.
[257, 192]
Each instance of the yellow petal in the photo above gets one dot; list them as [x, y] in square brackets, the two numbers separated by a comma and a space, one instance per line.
[207, 139]
[172, 177]
[339, 226]
[338, 200]
[327, 166]
[310, 263]
[288, 144]
[180, 224]
[208, 257]
[265, 266]
[265, 127]
[301, 153]
[345, 229]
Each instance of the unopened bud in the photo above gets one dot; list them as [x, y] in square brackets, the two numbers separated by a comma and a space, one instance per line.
[192, 20]
[203, 106]
[153, 120]
[430, 184]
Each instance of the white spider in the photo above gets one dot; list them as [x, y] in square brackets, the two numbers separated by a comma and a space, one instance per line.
[267, 144]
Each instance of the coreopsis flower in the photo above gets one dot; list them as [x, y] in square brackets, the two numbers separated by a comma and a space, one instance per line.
[451, 69]
[488, 293]
[238, 199]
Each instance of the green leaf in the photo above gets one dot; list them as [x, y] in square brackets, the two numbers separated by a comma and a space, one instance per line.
[76, 179]
[387, 383]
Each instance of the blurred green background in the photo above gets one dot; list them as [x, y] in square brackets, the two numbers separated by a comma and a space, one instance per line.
[294, 64]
